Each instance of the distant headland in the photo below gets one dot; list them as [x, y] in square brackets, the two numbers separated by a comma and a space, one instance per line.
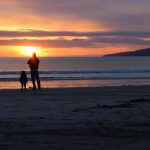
[142, 52]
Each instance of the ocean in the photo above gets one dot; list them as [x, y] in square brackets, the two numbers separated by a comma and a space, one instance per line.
[78, 71]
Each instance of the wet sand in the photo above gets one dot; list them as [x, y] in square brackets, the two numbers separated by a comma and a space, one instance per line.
[75, 118]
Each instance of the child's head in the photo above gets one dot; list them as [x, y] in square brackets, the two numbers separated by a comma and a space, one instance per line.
[23, 72]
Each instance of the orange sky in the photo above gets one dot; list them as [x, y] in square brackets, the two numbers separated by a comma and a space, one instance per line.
[73, 27]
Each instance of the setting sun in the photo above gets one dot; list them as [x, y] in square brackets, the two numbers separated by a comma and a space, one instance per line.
[30, 50]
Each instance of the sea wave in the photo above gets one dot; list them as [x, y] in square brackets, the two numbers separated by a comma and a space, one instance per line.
[119, 71]
[54, 75]
[76, 78]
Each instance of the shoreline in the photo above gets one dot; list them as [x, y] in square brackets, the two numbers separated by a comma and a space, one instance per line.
[71, 87]
[78, 83]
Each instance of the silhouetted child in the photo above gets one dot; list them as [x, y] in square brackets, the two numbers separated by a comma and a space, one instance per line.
[23, 79]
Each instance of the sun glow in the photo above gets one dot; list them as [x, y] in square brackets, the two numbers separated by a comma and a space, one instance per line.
[30, 50]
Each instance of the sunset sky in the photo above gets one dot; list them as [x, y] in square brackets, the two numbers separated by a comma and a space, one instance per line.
[73, 27]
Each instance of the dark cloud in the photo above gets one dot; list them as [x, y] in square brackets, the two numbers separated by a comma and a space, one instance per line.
[76, 42]
[40, 33]
[47, 43]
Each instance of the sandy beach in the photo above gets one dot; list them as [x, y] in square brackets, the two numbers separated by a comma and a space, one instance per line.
[104, 118]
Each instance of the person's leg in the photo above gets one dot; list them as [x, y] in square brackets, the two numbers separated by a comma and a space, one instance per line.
[25, 86]
[38, 80]
[33, 79]
[22, 86]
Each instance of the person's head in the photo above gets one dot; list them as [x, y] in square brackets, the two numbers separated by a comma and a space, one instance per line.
[34, 55]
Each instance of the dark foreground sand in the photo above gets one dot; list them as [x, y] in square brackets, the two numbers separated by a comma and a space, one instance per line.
[104, 118]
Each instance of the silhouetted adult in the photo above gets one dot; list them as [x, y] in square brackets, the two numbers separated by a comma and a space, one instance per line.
[33, 63]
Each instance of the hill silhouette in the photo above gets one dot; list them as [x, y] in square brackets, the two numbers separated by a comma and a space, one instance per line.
[142, 52]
